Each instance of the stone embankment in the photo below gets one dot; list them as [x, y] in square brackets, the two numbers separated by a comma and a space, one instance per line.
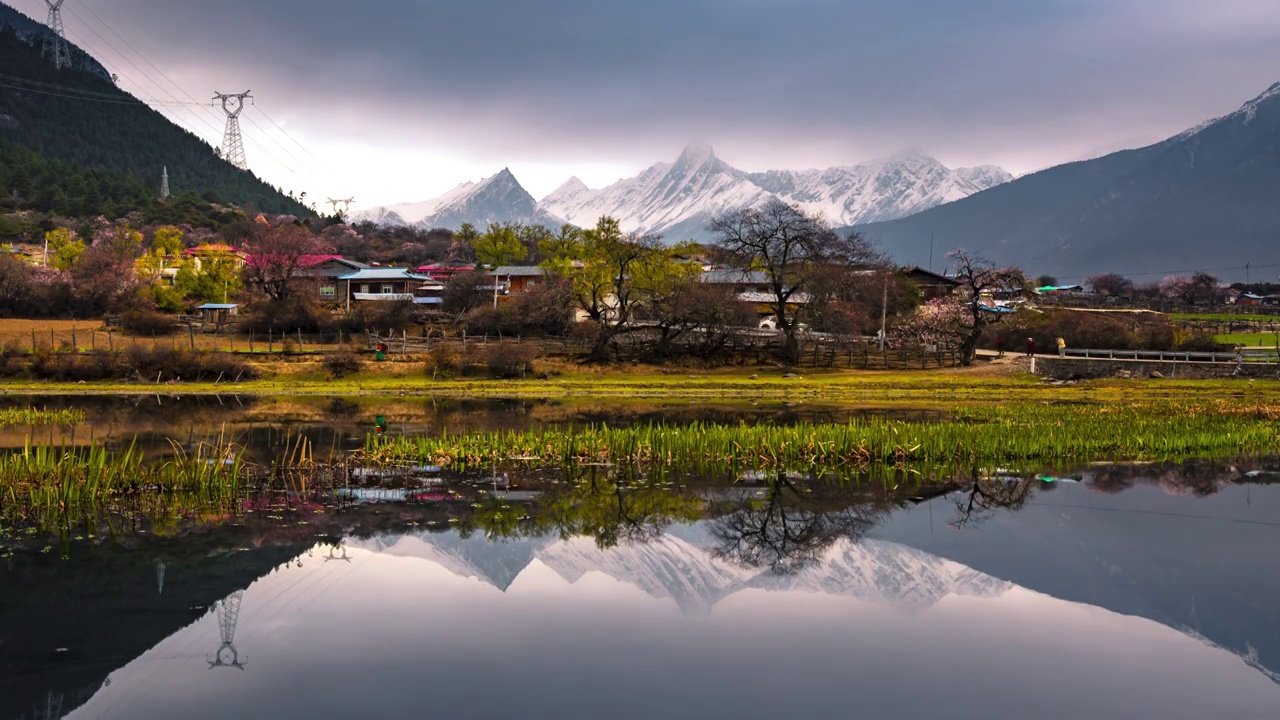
[1094, 368]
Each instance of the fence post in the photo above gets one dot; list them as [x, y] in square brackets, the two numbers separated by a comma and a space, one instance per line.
[75, 346]
[111, 342]
[191, 333]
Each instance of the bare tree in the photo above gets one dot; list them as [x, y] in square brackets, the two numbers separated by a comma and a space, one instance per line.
[789, 247]
[1110, 285]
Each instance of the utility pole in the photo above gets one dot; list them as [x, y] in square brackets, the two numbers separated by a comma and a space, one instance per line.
[884, 314]
[232, 143]
[55, 41]
[164, 182]
[1246, 273]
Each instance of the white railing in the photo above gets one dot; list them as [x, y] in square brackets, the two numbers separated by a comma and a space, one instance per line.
[1251, 355]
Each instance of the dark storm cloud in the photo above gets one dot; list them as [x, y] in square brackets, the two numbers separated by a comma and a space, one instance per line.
[1009, 80]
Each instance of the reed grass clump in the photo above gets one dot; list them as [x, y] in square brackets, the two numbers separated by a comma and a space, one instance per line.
[54, 486]
[34, 416]
[987, 434]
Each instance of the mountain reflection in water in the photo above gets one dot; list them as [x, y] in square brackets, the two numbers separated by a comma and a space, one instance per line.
[1125, 597]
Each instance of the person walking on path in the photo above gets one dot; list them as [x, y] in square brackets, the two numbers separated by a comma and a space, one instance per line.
[1062, 347]
[999, 346]
[1031, 346]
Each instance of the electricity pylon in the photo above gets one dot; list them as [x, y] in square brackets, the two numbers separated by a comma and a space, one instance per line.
[228, 614]
[232, 143]
[55, 41]
[346, 204]
[164, 182]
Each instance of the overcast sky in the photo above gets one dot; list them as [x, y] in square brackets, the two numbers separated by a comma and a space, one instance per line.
[402, 100]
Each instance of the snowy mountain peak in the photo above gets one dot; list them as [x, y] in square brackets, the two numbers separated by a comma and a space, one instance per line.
[1250, 109]
[694, 577]
[498, 198]
[1247, 112]
[572, 189]
[676, 200]
[696, 154]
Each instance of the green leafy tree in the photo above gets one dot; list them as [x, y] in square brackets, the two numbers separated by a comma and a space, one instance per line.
[613, 276]
[65, 248]
[209, 277]
[500, 245]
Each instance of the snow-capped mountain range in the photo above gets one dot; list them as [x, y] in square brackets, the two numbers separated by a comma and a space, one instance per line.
[684, 570]
[677, 199]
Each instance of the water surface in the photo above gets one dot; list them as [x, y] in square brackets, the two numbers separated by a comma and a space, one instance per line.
[1135, 592]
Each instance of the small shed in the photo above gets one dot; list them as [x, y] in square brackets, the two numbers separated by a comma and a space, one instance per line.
[218, 313]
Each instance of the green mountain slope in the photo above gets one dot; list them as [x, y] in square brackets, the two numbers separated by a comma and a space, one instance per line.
[80, 117]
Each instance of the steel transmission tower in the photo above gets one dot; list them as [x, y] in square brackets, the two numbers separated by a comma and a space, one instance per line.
[164, 183]
[55, 41]
[228, 614]
[232, 143]
[345, 202]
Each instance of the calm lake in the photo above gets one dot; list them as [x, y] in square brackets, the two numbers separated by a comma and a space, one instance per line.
[1099, 591]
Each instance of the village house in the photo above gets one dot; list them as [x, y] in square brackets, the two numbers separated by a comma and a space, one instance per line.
[742, 281]
[380, 284]
[445, 270]
[327, 270]
[932, 285]
[518, 278]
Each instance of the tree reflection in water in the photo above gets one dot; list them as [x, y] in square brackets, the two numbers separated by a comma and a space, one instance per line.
[987, 493]
[790, 527]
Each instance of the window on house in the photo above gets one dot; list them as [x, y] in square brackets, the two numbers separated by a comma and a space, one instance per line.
[328, 291]
[388, 289]
[364, 288]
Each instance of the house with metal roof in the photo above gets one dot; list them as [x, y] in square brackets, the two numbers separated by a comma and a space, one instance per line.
[380, 284]
[517, 278]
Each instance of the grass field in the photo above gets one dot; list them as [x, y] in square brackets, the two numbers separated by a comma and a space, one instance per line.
[1224, 317]
[1249, 339]
[982, 383]
[92, 335]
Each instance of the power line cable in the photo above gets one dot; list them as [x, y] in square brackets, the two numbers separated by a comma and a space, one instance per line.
[213, 127]
[295, 142]
[160, 72]
[277, 142]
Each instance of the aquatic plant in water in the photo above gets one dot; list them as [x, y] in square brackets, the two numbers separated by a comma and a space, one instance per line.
[984, 434]
[36, 416]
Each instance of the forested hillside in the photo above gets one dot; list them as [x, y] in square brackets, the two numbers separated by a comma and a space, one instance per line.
[81, 118]
[56, 188]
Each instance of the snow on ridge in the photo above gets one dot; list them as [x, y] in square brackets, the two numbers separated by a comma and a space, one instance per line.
[698, 185]
[1248, 111]
[694, 578]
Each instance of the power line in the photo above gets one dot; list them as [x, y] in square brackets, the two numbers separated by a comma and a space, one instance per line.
[277, 142]
[189, 97]
[72, 97]
[90, 94]
[212, 126]
[294, 141]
